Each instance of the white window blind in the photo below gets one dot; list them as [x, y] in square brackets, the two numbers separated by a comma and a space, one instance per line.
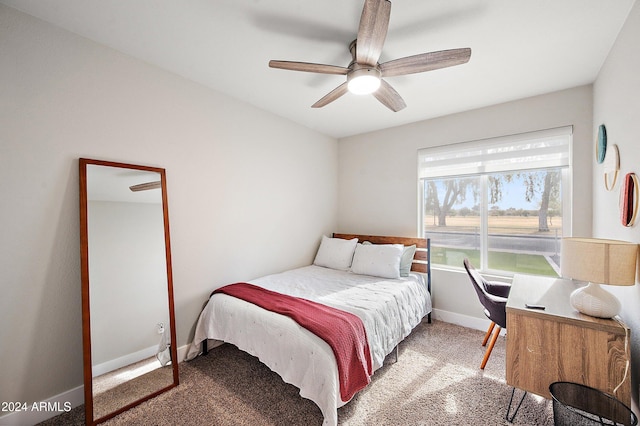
[525, 151]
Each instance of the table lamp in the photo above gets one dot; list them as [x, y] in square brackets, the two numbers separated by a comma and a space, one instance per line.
[598, 261]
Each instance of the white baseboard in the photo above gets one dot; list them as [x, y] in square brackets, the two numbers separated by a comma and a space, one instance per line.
[182, 352]
[40, 411]
[114, 364]
[475, 323]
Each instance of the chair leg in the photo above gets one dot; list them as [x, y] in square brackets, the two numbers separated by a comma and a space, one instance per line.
[486, 336]
[496, 333]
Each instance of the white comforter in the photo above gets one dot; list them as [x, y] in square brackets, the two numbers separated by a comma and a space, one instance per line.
[389, 309]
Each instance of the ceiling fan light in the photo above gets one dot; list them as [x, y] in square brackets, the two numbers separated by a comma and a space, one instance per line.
[363, 81]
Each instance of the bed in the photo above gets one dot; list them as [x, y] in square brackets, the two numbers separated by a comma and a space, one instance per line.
[356, 274]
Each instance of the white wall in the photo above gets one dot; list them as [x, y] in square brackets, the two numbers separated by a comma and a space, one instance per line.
[616, 102]
[378, 175]
[249, 192]
[128, 278]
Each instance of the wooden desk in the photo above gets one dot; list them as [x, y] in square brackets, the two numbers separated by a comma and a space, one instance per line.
[561, 344]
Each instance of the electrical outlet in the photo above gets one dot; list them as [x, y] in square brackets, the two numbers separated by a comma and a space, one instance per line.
[160, 327]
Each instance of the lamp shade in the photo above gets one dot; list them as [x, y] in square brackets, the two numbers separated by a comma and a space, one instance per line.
[599, 261]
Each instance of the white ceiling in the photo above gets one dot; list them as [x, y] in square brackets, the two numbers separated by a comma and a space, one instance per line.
[520, 48]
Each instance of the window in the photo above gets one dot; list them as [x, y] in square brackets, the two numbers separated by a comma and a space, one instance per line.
[499, 202]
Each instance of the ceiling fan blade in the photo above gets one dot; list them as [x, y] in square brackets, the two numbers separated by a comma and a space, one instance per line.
[388, 96]
[372, 32]
[145, 186]
[425, 62]
[331, 96]
[309, 67]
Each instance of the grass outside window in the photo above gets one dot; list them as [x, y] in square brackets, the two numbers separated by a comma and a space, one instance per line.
[502, 261]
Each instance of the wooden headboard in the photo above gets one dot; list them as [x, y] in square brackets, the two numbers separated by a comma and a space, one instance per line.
[420, 258]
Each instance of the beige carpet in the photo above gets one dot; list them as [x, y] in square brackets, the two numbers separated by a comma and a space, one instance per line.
[436, 381]
[108, 400]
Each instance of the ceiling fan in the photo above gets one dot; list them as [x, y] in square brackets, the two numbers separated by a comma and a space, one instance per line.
[364, 73]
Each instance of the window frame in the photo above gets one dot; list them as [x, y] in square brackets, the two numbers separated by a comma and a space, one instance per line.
[566, 188]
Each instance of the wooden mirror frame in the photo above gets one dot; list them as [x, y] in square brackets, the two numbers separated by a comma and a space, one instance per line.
[84, 259]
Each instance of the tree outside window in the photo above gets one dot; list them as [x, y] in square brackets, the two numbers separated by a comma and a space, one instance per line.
[517, 214]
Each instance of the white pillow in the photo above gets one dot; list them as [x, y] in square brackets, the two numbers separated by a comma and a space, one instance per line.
[406, 260]
[379, 260]
[335, 253]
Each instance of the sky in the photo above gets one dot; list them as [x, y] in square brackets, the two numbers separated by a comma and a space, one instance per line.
[513, 195]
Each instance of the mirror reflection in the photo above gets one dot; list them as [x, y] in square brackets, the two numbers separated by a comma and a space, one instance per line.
[128, 317]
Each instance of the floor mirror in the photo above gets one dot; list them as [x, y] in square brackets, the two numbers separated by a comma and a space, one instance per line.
[128, 321]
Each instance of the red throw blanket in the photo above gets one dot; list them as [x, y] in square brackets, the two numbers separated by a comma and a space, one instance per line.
[343, 331]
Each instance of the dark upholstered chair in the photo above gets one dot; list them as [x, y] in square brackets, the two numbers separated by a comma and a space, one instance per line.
[493, 296]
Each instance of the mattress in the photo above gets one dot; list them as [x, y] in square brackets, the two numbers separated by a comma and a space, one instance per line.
[388, 308]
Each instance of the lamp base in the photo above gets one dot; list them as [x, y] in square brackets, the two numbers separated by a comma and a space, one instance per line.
[593, 300]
